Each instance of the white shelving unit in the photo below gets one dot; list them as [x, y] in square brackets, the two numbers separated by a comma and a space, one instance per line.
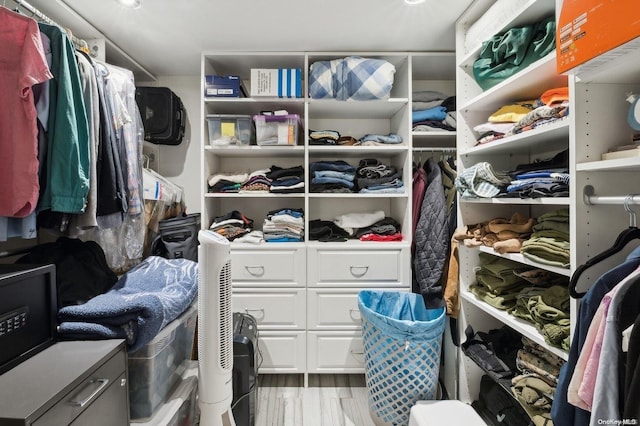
[475, 107]
[596, 123]
[318, 282]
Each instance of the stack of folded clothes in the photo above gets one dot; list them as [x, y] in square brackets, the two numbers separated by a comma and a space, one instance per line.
[372, 176]
[332, 176]
[545, 304]
[286, 180]
[257, 182]
[284, 225]
[549, 242]
[433, 110]
[536, 384]
[496, 283]
[232, 225]
[505, 236]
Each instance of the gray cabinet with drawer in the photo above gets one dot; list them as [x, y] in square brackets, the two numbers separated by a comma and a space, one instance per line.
[79, 383]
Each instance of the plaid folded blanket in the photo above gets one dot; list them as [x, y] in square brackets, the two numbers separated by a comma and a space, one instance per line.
[351, 78]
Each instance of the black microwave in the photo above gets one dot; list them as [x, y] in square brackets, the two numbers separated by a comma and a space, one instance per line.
[28, 312]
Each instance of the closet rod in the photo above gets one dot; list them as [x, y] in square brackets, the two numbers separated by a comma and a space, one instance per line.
[41, 16]
[591, 199]
[424, 149]
[81, 42]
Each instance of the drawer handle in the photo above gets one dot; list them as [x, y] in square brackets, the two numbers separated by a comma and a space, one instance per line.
[358, 271]
[261, 310]
[256, 271]
[101, 384]
[353, 311]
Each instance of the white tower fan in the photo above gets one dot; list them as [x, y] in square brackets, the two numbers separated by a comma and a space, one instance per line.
[215, 331]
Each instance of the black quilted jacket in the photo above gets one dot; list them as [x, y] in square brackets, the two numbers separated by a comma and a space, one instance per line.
[431, 239]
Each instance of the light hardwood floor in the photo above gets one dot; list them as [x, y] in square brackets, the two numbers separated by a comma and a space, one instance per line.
[329, 400]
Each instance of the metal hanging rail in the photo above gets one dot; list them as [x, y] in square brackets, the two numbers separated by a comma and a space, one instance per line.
[36, 13]
[44, 18]
[591, 199]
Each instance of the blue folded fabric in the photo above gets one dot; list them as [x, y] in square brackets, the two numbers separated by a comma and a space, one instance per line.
[140, 304]
[438, 113]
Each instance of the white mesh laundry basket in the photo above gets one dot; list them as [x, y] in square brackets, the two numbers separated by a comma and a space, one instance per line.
[402, 341]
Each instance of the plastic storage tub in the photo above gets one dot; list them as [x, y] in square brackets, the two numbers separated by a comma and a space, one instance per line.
[277, 129]
[228, 129]
[155, 368]
[180, 409]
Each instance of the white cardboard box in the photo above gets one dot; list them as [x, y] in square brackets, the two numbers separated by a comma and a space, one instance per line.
[279, 83]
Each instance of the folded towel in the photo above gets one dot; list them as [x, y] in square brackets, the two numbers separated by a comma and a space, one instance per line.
[141, 303]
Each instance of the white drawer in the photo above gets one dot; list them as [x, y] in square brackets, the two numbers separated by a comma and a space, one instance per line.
[278, 308]
[283, 266]
[335, 352]
[370, 268]
[282, 352]
[335, 309]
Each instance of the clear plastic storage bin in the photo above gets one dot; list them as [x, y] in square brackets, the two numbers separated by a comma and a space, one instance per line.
[228, 129]
[155, 368]
[277, 129]
[181, 407]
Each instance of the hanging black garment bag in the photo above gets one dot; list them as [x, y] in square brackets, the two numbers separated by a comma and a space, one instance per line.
[163, 115]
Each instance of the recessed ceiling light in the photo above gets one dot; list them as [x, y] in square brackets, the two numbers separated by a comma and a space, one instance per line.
[133, 4]
[414, 1]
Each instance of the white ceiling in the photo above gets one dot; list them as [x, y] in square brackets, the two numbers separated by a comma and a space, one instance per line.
[166, 37]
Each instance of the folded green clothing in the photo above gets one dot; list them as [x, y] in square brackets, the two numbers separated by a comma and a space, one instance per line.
[560, 215]
[562, 227]
[529, 362]
[547, 251]
[555, 333]
[497, 285]
[535, 395]
[541, 352]
[551, 306]
[503, 301]
[558, 236]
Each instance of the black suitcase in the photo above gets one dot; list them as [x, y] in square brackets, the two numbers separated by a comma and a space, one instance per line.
[163, 115]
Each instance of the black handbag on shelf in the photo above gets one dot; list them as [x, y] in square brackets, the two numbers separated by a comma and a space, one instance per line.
[177, 238]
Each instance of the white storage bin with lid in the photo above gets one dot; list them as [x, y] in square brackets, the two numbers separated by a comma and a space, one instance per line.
[155, 368]
[229, 129]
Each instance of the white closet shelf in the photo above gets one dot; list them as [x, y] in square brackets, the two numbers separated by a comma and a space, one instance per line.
[519, 325]
[517, 257]
[355, 195]
[269, 195]
[534, 10]
[527, 84]
[251, 151]
[253, 106]
[358, 151]
[352, 243]
[615, 165]
[540, 139]
[331, 108]
[266, 246]
[547, 201]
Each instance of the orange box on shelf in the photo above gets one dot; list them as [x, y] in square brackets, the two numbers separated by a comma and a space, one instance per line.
[587, 29]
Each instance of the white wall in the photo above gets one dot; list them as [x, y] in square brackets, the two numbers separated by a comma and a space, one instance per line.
[181, 163]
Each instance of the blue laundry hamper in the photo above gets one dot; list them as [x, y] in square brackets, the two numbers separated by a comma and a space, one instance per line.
[402, 342]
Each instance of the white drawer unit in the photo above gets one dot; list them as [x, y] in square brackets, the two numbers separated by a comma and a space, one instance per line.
[358, 267]
[272, 308]
[284, 267]
[335, 352]
[282, 352]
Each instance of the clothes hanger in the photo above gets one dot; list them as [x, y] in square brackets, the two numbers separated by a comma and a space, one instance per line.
[624, 238]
